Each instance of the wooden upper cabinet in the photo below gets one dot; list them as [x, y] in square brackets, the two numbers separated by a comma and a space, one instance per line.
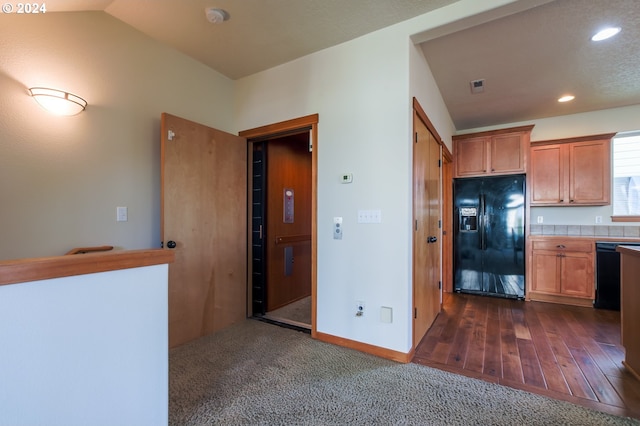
[498, 152]
[470, 156]
[569, 172]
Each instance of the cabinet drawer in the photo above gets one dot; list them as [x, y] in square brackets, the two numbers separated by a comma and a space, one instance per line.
[571, 245]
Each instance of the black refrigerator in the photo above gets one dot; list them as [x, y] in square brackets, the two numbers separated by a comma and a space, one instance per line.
[489, 223]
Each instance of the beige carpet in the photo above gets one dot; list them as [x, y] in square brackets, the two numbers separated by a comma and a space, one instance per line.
[255, 373]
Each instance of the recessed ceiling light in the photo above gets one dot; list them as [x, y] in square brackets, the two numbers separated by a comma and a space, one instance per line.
[605, 33]
[566, 98]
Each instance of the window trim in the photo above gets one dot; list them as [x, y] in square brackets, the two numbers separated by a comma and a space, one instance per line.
[625, 218]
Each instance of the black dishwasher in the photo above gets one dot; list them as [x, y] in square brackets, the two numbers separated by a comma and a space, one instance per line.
[608, 274]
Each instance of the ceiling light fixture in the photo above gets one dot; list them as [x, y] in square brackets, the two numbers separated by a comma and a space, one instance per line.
[216, 16]
[606, 33]
[566, 98]
[58, 102]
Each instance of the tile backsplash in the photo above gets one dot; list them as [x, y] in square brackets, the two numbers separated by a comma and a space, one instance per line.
[586, 230]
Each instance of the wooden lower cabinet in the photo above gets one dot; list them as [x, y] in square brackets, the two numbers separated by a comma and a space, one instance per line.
[562, 271]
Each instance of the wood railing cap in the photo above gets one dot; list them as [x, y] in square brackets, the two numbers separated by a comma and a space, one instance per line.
[34, 269]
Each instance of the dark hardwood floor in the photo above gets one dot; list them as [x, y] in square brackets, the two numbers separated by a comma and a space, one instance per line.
[563, 352]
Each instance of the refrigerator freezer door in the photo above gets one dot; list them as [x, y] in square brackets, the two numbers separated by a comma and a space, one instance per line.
[467, 235]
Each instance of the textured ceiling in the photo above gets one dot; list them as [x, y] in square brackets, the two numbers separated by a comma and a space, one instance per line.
[261, 34]
[529, 59]
[538, 50]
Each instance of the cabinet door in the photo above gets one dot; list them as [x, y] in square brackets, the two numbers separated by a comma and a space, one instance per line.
[547, 175]
[507, 154]
[590, 175]
[577, 274]
[545, 272]
[471, 156]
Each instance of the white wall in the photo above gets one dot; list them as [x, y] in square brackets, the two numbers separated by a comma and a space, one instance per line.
[589, 123]
[362, 91]
[85, 350]
[61, 178]
[359, 89]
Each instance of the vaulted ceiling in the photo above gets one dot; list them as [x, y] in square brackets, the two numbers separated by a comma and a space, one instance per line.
[527, 59]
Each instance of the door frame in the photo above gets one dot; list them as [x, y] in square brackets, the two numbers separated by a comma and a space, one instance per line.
[259, 134]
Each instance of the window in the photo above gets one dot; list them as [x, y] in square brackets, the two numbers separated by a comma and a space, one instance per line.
[626, 174]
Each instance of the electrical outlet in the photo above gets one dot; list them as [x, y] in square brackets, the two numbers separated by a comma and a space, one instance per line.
[598, 219]
[540, 219]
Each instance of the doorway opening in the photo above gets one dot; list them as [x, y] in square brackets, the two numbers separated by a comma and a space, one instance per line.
[281, 223]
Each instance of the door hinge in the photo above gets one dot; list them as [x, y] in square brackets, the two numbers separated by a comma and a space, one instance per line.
[415, 313]
[439, 224]
[439, 163]
[415, 137]
[439, 285]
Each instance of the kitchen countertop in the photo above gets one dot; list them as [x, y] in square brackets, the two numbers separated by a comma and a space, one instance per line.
[630, 250]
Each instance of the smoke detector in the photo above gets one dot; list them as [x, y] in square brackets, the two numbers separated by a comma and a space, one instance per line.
[216, 16]
[477, 86]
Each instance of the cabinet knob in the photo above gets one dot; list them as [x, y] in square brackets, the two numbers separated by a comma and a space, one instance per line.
[571, 201]
[561, 200]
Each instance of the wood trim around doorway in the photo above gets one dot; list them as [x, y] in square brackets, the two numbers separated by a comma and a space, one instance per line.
[283, 126]
[309, 122]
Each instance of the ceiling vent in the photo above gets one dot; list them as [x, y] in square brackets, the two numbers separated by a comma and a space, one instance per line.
[477, 86]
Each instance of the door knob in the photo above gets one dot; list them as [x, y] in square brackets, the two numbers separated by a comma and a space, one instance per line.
[432, 239]
[171, 244]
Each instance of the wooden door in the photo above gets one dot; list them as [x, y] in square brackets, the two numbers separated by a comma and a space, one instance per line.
[471, 156]
[288, 244]
[589, 180]
[577, 274]
[426, 235]
[447, 221]
[545, 272]
[203, 212]
[547, 175]
[507, 154]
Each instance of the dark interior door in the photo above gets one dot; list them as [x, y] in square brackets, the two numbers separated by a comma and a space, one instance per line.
[288, 218]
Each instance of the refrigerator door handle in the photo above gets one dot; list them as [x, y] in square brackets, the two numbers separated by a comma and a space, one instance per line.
[482, 219]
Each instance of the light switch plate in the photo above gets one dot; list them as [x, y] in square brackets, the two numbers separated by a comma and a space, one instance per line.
[122, 215]
[369, 216]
